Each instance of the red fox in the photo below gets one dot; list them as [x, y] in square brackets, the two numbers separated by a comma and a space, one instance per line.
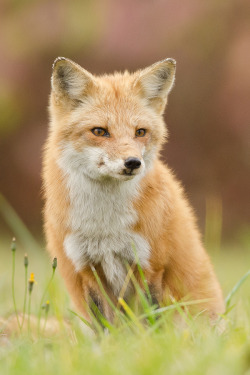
[107, 192]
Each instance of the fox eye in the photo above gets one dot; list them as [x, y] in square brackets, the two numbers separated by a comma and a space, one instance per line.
[140, 132]
[100, 132]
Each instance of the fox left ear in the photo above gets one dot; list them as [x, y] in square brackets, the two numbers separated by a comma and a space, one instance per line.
[69, 81]
[155, 83]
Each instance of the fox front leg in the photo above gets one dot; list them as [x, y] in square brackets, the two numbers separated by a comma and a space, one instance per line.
[95, 298]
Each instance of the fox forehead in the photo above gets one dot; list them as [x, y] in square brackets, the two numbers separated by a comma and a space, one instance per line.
[114, 99]
[118, 84]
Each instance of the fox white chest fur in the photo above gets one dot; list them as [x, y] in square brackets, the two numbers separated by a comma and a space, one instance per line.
[100, 221]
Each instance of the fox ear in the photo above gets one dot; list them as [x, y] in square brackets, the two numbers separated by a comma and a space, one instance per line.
[69, 80]
[155, 83]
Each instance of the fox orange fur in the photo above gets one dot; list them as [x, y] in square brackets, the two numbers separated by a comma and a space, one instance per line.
[106, 189]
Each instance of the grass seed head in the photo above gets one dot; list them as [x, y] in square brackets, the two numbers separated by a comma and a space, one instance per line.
[54, 263]
[26, 260]
[13, 244]
[31, 281]
[46, 306]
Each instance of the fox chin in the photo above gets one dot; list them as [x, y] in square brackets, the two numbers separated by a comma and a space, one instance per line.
[107, 192]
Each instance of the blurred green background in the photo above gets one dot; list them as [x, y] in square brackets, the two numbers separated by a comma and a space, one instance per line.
[208, 113]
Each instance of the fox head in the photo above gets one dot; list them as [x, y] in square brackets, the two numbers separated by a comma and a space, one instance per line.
[109, 127]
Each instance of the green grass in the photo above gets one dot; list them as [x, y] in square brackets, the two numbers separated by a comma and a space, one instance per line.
[129, 349]
[158, 346]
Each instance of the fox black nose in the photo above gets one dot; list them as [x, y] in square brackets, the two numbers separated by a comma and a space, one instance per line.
[132, 163]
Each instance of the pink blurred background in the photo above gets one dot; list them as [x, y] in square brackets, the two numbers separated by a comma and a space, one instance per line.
[208, 113]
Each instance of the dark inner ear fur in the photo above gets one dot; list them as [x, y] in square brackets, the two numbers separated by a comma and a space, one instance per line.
[164, 75]
[62, 78]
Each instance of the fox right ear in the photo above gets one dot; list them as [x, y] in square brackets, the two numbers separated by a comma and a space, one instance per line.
[156, 82]
[69, 80]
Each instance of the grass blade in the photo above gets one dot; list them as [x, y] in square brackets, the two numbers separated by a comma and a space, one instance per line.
[85, 321]
[130, 314]
[16, 225]
[234, 290]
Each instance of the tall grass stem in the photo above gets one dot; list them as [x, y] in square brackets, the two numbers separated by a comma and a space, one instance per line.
[29, 308]
[13, 248]
[44, 294]
[25, 288]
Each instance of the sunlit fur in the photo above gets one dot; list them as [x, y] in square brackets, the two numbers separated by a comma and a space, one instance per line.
[97, 211]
